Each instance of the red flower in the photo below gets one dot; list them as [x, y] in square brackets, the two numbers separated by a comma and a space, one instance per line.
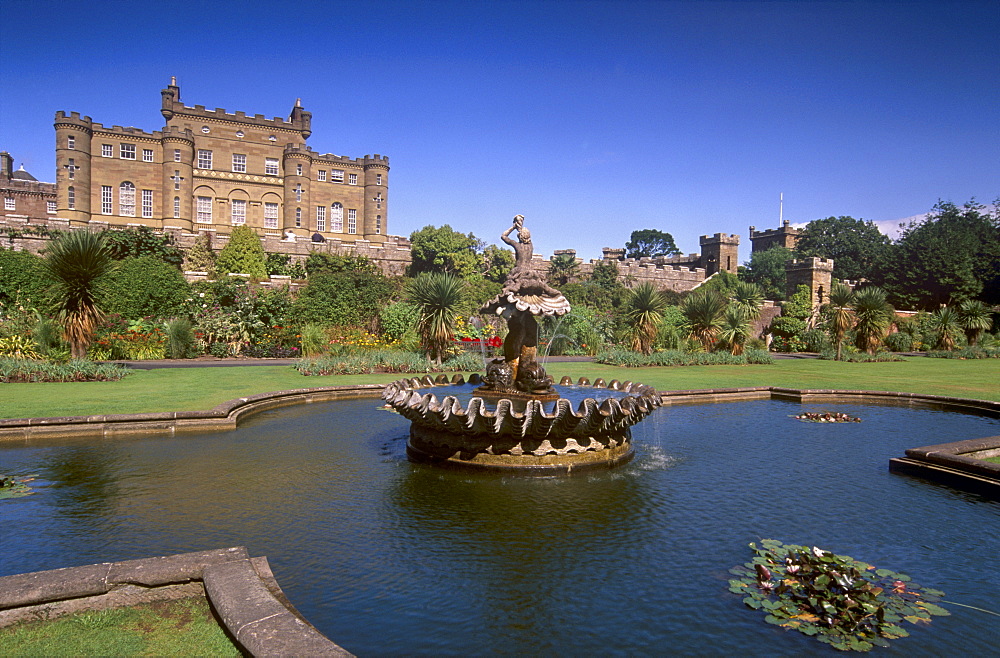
[496, 341]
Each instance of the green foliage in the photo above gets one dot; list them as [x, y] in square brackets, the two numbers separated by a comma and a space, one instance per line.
[200, 257]
[650, 243]
[734, 329]
[396, 320]
[22, 277]
[767, 270]
[77, 263]
[856, 246]
[952, 255]
[967, 353]
[644, 312]
[444, 250]
[24, 370]
[282, 265]
[945, 322]
[605, 275]
[18, 347]
[438, 296]
[144, 286]
[386, 361]
[314, 339]
[321, 261]
[349, 298]
[974, 317]
[142, 241]
[495, 263]
[180, 339]
[799, 305]
[748, 298]
[838, 600]
[873, 317]
[722, 282]
[563, 268]
[839, 313]
[630, 359]
[703, 311]
[671, 334]
[243, 254]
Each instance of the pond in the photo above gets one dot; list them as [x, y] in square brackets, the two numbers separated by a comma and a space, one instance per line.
[389, 557]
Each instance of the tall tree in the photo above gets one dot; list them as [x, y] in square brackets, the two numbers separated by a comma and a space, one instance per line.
[438, 296]
[950, 256]
[444, 249]
[840, 300]
[855, 245]
[650, 243]
[974, 317]
[703, 311]
[77, 262]
[873, 316]
[767, 270]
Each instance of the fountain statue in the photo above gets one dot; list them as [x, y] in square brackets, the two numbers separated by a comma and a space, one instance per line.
[528, 426]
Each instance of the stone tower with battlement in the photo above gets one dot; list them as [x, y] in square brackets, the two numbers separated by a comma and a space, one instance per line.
[784, 236]
[210, 170]
[816, 273]
[719, 253]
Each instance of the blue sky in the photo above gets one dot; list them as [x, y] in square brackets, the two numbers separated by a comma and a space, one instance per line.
[593, 119]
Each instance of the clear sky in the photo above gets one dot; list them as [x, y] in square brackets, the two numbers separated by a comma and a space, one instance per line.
[592, 119]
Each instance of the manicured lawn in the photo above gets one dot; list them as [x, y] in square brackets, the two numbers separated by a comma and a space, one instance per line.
[183, 389]
[168, 628]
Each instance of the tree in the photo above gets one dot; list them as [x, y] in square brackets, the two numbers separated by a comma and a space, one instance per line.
[563, 268]
[855, 245]
[437, 295]
[974, 317]
[244, 254]
[605, 274]
[444, 250]
[495, 263]
[703, 311]
[748, 298]
[951, 255]
[200, 257]
[139, 241]
[873, 317]
[734, 329]
[650, 243]
[644, 312]
[839, 301]
[767, 270]
[77, 262]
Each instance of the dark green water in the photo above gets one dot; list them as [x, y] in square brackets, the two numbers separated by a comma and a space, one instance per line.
[390, 558]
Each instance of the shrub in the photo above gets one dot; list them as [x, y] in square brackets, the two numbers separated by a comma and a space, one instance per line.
[343, 298]
[629, 359]
[20, 371]
[899, 342]
[144, 287]
[386, 361]
[243, 254]
[967, 353]
[22, 279]
[180, 339]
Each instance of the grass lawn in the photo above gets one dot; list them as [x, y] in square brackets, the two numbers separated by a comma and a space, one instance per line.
[167, 628]
[188, 389]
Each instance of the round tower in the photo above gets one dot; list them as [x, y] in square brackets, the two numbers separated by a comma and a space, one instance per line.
[178, 178]
[296, 164]
[73, 167]
[376, 172]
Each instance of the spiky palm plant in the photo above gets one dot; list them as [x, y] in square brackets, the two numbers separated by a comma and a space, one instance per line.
[437, 296]
[644, 313]
[945, 323]
[735, 329]
[974, 317]
[563, 268]
[76, 262]
[841, 319]
[748, 298]
[703, 311]
[873, 317]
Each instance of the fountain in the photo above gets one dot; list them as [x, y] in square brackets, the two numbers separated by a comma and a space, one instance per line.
[506, 424]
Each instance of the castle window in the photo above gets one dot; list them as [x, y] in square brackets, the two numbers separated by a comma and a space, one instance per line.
[206, 129]
[298, 193]
[298, 170]
[50, 207]
[352, 179]
[239, 214]
[240, 134]
[147, 203]
[298, 218]
[378, 200]
[126, 199]
[9, 203]
[106, 199]
[272, 138]
[271, 166]
[177, 155]
[147, 155]
[378, 179]
[321, 175]
[71, 168]
[204, 159]
[352, 221]
[107, 151]
[321, 218]
[337, 218]
[71, 142]
[127, 151]
[71, 197]
[239, 162]
[177, 207]
[177, 179]
[270, 215]
[378, 224]
[337, 176]
[204, 210]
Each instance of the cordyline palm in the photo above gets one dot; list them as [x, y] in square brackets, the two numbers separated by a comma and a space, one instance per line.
[748, 298]
[563, 268]
[974, 317]
[703, 311]
[841, 319]
[645, 312]
[945, 322]
[76, 262]
[735, 328]
[873, 317]
[437, 295]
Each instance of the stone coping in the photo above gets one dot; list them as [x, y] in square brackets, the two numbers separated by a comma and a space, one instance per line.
[242, 590]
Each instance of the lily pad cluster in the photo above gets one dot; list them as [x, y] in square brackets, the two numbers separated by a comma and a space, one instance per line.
[840, 601]
[11, 487]
[826, 417]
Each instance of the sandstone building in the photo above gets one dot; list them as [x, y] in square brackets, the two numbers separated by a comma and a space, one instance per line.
[209, 170]
[784, 236]
[25, 198]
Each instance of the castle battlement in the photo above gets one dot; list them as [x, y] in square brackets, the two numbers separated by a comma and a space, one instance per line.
[725, 238]
[825, 264]
[72, 117]
[125, 131]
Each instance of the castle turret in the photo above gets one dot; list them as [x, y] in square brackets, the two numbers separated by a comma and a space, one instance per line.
[73, 167]
[376, 173]
[178, 178]
[786, 236]
[296, 164]
[300, 119]
[719, 252]
[816, 273]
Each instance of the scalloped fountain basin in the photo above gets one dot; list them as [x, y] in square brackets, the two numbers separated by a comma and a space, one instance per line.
[586, 427]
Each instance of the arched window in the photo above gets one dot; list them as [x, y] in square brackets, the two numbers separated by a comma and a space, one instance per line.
[126, 199]
[71, 197]
[337, 218]
[177, 207]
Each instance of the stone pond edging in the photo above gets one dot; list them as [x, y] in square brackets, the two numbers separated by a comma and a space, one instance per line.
[242, 590]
